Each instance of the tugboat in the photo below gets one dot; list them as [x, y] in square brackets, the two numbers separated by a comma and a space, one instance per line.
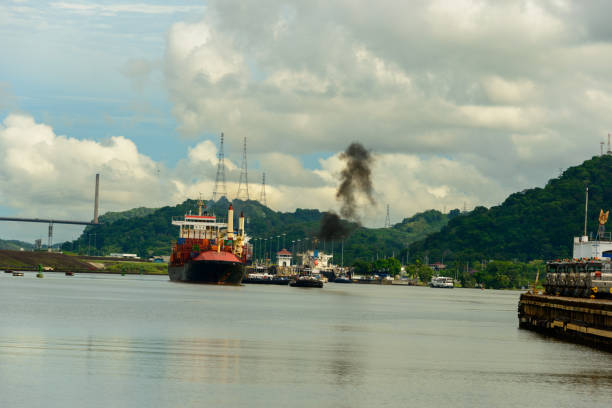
[208, 251]
[307, 281]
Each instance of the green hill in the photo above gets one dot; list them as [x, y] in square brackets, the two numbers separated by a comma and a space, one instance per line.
[149, 231]
[537, 223]
[14, 245]
[111, 216]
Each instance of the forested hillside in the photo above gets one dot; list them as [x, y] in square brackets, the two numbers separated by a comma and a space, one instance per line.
[148, 231]
[537, 223]
[15, 245]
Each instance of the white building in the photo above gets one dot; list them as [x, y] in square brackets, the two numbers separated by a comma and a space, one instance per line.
[129, 256]
[283, 258]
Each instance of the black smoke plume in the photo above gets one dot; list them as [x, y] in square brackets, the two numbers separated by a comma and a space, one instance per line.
[355, 178]
[333, 228]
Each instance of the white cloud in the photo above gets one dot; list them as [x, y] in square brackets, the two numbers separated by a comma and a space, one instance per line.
[205, 151]
[112, 9]
[504, 117]
[43, 174]
[500, 90]
[461, 101]
[462, 80]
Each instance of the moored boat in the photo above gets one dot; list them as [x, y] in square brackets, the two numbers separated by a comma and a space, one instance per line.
[265, 279]
[306, 281]
[343, 279]
[441, 282]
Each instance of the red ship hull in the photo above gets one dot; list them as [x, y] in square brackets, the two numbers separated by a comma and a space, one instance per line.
[218, 268]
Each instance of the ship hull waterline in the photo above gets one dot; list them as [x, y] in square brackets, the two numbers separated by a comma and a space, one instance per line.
[208, 272]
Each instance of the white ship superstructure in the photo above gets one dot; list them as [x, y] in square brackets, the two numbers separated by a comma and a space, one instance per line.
[315, 259]
[597, 248]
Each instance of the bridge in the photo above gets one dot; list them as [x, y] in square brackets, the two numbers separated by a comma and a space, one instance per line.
[48, 221]
[52, 221]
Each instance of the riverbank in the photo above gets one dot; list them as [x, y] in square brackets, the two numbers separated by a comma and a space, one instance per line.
[58, 262]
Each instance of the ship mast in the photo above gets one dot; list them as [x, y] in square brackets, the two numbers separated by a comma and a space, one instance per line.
[200, 205]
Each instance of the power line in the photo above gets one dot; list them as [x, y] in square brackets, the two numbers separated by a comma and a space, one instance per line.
[243, 184]
[388, 219]
[220, 189]
[262, 196]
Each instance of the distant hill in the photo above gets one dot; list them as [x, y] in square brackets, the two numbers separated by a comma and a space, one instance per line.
[111, 216]
[148, 231]
[14, 245]
[537, 223]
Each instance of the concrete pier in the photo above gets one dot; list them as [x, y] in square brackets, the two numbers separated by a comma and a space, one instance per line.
[587, 321]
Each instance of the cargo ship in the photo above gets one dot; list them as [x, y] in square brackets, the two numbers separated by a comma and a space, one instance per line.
[209, 250]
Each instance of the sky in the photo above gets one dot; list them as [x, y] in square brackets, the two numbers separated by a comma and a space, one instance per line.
[461, 102]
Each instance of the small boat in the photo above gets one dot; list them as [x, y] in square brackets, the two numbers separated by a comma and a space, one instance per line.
[69, 273]
[8, 271]
[441, 282]
[17, 273]
[387, 280]
[265, 279]
[368, 279]
[343, 279]
[306, 281]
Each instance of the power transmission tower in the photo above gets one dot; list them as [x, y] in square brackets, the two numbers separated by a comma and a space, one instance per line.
[220, 189]
[388, 219]
[243, 185]
[262, 197]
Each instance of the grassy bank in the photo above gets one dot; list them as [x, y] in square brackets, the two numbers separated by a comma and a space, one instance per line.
[30, 260]
[144, 268]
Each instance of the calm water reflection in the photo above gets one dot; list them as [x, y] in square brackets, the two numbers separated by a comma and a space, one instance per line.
[133, 341]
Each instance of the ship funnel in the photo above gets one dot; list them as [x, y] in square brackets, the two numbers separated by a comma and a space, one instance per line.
[241, 224]
[230, 222]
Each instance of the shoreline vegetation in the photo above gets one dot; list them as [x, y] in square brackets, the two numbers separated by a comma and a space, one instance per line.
[488, 274]
[491, 274]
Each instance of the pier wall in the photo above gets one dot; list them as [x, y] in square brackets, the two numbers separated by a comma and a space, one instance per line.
[587, 321]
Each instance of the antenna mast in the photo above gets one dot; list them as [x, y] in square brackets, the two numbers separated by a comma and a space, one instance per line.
[586, 210]
[220, 189]
[609, 151]
[243, 185]
[601, 144]
[388, 219]
[262, 197]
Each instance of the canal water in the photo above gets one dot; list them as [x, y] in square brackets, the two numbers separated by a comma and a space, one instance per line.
[142, 341]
